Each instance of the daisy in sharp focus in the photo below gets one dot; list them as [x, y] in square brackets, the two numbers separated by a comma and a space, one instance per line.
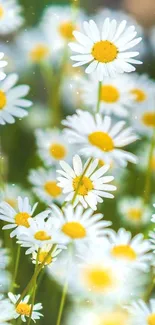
[10, 16]
[7, 311]
[133, 211]
[142, 313]
[41, 232]
[106, 51]
[91, 188]
[40, 257]
[62, 23]
[12, 101]
[133, 252]
[52, 146]
[115, 96]
[99, 138]
[45, 185]
[79, 226]
[23, 309]
[19, 218]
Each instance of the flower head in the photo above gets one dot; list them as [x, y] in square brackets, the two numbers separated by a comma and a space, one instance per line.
[88, 189]
[142, 313]
[10, 16]
[7, 311]
[106, 51]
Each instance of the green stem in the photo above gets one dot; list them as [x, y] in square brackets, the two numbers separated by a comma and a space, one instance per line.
[148, 175]
[62, 303]
[16, 268]
[34, 276]
[34, 289]
[98, 97]
[80, 180]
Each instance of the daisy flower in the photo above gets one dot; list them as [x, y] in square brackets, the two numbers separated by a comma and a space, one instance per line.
[142, 313]
[33, 46]
[10, 16]
[52, 146]
[134, 252]
[23, 309]
[143, 118]
[133, 211]
[40, 233]
[10, 194]
[115, 96]
[40, 257]
[62, 23]
[89, 189]
[7, 311]
[99, 138]
[45, 185]
[79, 225]
[19, 218]
[142, 88]
[106, 51]
[12, 101]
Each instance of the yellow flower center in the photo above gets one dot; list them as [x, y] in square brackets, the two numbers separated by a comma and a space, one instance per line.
[42, 235]
[74, 230]
[134, 214]
[58, 151]
[98, 278]
[139, 94]
[85, 185]
[109, 94]
[101, 140]
[21, 219]
[52, 189]
[151, 319]
[42, 256]
[124, 252]
[104, 51]
[153, 163]
[149, 119]
[113, 318]
[66, 30]
[23, 309]
[3, 99]
[1, 11]
[39, 53]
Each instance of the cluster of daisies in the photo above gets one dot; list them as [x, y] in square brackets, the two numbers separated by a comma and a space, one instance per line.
[81, 161]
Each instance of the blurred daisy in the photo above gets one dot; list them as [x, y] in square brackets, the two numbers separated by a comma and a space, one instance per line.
[133, 211]
[11, 56]
[10, 194]
[5, 281]
[7, 311]
[71, 91]
[99, 138]
[11, 100]
[142, 88]
[62, 23]
[134, 252]
[143, 118]
[45, 185]
[115, 96]
[10, 16]
[142, 313]
[79, 226]
[52, 146]
[2, 65]
[40, 233]
[106, 51]
[143, 155]
[33, 46]
[4, 258]
[89, 189]
[21, 217]
[40, 257]
[23, 309]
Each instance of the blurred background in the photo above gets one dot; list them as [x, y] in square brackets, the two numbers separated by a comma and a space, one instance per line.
[18, 142]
